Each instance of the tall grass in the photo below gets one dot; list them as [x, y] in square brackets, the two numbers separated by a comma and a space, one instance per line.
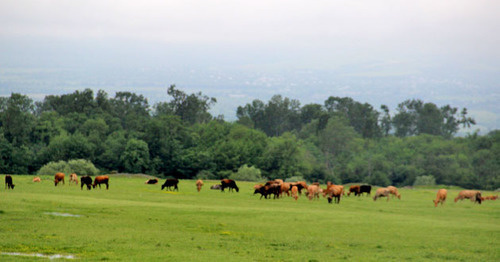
[136, 222]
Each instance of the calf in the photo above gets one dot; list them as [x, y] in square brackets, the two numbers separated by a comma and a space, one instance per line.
[199, 184]
[58, 177]
[73, 178]
[8, 182]
[36, 179]
[473, 195]
[98, 180]
[170, 182]
[300, 185]
[87, 181]
[440, 197]
[394, 191]
[295, 192]
[382, 192]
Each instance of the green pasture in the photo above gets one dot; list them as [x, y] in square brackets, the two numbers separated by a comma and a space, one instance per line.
[136, 222]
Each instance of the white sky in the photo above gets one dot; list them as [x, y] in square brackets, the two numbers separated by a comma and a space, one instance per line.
[466, 27]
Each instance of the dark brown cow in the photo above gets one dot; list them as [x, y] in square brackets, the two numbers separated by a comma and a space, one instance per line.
[170, 182]
[98, 180]
[152, 181]
[300, 185]
[8, 182]
[87, 181]
[58, 178]
[354, 189]
[228, 183]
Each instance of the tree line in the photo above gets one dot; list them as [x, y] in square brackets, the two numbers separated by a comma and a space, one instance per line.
[341, 140]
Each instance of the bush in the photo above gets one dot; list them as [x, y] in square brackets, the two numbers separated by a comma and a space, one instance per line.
[425, 181]
[78, 166]
[246, 173]
[295, 179]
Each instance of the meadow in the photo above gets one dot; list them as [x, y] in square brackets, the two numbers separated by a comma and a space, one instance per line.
[136, 222]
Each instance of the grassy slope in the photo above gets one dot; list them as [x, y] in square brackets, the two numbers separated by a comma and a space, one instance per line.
[133, 221]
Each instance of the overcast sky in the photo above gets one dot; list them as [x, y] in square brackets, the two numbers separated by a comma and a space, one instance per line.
[456, 39]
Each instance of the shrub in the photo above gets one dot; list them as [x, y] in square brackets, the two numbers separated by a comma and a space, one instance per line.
[246, 173]
[425, 181]
[78, 166]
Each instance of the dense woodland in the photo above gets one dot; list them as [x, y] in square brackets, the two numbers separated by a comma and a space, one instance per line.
[341, 140]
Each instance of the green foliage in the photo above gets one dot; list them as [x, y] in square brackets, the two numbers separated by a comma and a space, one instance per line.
[135, 158]
[78, 166]
[294, 179]
[425, 181]
[206, 175]
[246, 173]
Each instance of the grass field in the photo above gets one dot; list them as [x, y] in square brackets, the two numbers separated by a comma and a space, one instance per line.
[137, 222]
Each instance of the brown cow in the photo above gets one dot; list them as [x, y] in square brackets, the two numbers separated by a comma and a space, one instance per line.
[473, 195]
[382, 192]
[440, 197]
[333, 191]
[58, 178]
[295, 192]
[489, 198]
[354, 189]
[199, 184]
[73, 178]
[8, 182]
[313, 191]
[36, 179]
[300, 185]
[394, 191]
[98, 180]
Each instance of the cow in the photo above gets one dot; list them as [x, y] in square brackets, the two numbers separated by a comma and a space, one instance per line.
[215, 187]
[228, 183]
[365, 189]
[295, 192]
[354, 189]
[87, 181]
[152, 181]
[260, 189]
[199, 184]
[440, 197]
[473, 195]
[98, 180]
[58, 177]
[73, 178]
[394, 191]
[333, 191]
[489, 198]
[382, 192]
[313, 191]
[300, 185]
[8, 182]
[272, 189]
[36, 179]
[285, 188]
[170, 182]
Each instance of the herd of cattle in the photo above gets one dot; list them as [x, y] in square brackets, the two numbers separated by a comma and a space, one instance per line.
[275, 189]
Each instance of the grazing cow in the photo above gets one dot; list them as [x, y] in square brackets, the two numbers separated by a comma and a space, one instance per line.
[260, 189]
[440, 197]
[228, 183]
[215, 187]
[334, 191]
[295, 192]
[151, 181]
[199, 184]
[58, 178]
[272, 189]
[313, 191]
[354, 189]
[365, 189]
[394, 191]
[8, 182]
[489, 198]
[73, 178]
[473, 195]
[300, 185]
[98, 180]
[87, 181]
[170, 182]
[382, 192]
[36, 179]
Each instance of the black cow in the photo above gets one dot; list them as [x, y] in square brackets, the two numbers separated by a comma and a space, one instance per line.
[228, 183]
[151, 181]
[170, 182]
[365, 189]
[8, 182]
[85, 180]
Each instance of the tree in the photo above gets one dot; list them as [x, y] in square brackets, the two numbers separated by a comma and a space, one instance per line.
[16, 118]
[135, 158]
